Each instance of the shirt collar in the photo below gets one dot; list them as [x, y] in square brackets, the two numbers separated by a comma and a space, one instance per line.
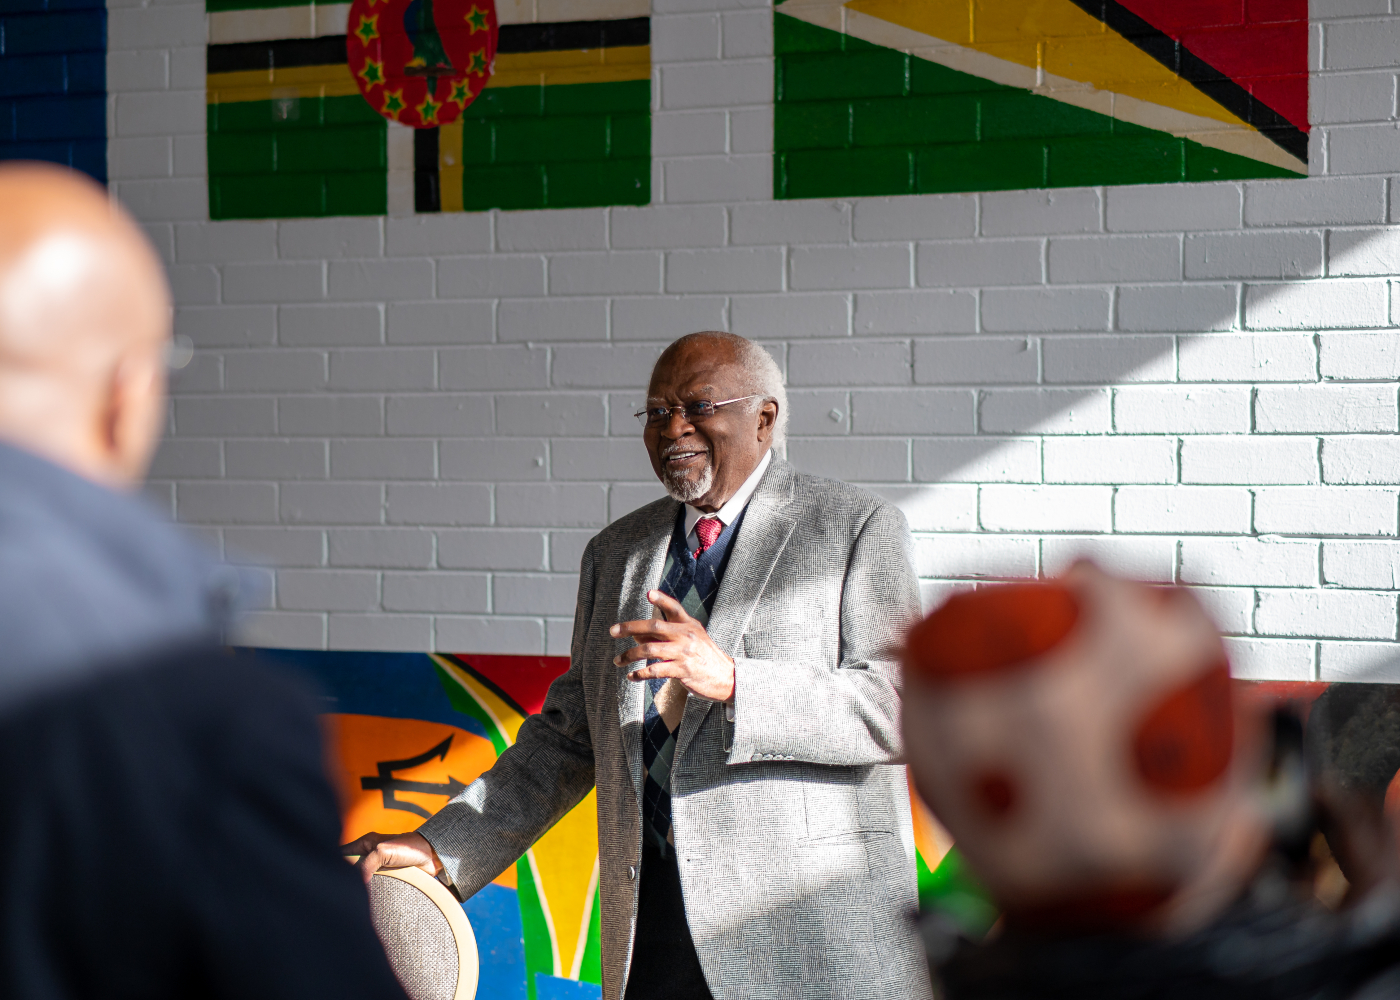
[735, 505]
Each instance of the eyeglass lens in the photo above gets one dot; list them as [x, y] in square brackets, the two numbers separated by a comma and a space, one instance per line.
[698, 410]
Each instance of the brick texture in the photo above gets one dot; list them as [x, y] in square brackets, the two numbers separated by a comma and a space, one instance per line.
[417, 422]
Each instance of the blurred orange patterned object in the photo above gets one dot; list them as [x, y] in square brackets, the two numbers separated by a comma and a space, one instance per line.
[1080, 740]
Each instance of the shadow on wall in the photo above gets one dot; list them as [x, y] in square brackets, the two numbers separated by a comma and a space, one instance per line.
[1211, 428]
[1201, 413]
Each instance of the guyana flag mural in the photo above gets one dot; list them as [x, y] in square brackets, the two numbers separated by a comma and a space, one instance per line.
[425, 105]
[411, 730]
[879, 97]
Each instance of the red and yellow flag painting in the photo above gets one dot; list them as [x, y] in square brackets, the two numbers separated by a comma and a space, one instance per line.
[910, 96]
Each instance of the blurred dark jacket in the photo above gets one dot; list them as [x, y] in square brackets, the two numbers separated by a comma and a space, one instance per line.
[168, 826]
[1263, 948]
[89, 575]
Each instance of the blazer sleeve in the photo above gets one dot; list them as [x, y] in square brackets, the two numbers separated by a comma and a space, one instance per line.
[845, 713]
[544, 774]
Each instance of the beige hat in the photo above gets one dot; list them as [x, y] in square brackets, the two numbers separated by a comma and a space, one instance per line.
[426, 935]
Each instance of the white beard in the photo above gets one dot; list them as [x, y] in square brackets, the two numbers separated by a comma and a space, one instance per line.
[688, 490]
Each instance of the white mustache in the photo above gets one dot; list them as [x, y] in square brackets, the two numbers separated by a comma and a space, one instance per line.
[679, 449]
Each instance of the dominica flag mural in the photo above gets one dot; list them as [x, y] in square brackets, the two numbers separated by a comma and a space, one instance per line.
[565, 119]
[411, 730]
[878, 97]
[426, 105]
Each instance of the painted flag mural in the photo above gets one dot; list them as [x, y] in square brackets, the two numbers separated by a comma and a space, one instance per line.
[53, 83]
[411, 730]
[289, 132]
[420, 62]
[881, 97]
[565, 120]
[426, 105]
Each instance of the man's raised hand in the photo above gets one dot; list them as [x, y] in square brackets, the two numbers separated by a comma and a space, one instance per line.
[683, 647]
[402, 850]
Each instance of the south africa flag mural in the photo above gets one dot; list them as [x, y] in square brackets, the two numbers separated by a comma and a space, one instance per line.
[411, 730]
[879, 97]
[400, 106]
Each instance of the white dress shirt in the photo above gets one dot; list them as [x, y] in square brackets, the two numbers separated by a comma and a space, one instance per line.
[732, 508]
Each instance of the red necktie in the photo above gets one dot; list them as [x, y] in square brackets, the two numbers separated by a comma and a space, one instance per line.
[707, 529]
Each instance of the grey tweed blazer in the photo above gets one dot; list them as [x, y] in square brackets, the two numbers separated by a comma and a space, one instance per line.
[791, 811]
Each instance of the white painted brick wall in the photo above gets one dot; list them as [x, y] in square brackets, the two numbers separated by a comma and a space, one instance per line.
[419, 422]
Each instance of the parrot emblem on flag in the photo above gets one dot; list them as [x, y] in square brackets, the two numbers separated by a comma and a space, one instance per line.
[421, 62]
[429, 58]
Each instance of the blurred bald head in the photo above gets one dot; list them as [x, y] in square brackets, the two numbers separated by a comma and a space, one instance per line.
[84, 326]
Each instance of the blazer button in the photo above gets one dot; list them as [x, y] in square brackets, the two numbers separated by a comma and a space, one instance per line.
[631, 872]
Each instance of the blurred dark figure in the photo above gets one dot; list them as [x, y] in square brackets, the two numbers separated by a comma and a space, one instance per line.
[1143, 830]
[1353, 753]
[141, 767]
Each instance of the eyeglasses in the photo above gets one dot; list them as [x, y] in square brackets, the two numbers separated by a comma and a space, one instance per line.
[701, 409]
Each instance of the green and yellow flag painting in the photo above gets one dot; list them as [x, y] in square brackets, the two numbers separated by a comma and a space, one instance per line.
[880, 97]
[321, 109]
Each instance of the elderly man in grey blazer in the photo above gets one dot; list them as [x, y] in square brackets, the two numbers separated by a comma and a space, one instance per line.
[733, 693]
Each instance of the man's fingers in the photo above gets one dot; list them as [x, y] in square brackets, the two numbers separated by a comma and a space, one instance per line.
[645, 651]
[365, 844]
[369, 863]
[670, 607]
[645, 629]
[367, 849]
[405, 850]
[664, 668]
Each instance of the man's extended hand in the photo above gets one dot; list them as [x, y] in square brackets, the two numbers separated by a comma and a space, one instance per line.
[402, 850]
[684, 648]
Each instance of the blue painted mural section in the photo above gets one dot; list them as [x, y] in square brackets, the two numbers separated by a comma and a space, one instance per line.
[397, 685]
[500, 942]
[554, 988]
[53, 83]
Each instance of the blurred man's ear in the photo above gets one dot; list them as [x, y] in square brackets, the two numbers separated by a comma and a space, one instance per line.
[132, 415]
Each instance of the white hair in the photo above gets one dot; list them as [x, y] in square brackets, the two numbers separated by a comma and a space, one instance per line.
[764, 378]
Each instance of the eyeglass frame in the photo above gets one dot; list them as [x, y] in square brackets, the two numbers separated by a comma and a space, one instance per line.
[641, 415]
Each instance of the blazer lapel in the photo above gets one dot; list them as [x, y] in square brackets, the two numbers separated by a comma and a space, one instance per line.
[768, 524]
[641, 573]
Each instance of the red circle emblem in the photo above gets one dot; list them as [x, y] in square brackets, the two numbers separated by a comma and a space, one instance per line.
[420, 62]
[1185, 743]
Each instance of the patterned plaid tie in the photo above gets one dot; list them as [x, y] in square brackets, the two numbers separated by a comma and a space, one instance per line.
[664, 705]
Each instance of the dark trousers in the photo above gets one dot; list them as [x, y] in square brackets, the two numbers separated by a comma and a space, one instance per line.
[664, 964]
